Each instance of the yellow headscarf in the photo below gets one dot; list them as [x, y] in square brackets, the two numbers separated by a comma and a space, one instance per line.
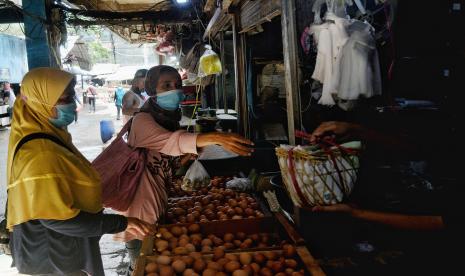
[46, 180]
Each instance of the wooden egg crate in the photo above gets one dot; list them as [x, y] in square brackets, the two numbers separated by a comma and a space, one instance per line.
[176, 192]
[234, 235]
[214, 207]
[267, 262]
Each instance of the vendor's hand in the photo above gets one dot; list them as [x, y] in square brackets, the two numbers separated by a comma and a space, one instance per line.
[338, 208]
[230, 141]
[341, 130]
[138, 227]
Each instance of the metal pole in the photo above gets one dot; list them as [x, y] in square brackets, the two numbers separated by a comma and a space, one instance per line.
[236, 62]
[223, 74]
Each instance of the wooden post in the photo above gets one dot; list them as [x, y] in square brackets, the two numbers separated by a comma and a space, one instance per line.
[291, 78]
[223, 73]
[239, 70]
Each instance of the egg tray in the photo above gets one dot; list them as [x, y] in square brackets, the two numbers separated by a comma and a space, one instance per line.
[277, 227]
[303, 257]
[175, 195]
[262, 206]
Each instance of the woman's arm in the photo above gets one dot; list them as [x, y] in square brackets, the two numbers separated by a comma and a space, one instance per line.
[94, 225]
[401, 221]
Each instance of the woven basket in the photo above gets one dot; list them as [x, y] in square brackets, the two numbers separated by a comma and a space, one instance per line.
[314, 176]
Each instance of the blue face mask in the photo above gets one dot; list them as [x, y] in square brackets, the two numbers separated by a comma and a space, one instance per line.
[170, 100]
[66, 114]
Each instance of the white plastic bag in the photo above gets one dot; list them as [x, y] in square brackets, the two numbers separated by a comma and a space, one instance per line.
[196, 177]
[240, 184]
[209, 63]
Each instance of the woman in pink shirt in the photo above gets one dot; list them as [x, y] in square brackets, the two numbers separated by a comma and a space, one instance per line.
[156, 128]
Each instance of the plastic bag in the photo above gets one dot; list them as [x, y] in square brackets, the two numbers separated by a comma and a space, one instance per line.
[240, 184]
[209, 63]
[196, 177]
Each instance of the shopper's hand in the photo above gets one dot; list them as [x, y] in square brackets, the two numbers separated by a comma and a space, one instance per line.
[229, 141]
[340, 130]
[138, 227]
[338, 208]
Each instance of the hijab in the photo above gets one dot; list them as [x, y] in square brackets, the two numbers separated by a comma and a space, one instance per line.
[46, 180]
[167, 119]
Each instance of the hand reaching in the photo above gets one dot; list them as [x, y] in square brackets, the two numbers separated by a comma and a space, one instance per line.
[340, 130]
[230, 141]
[138, 227]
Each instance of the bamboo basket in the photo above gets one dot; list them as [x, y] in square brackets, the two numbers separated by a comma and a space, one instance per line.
[314, 176]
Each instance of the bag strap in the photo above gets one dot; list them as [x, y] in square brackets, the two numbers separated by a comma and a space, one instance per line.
[39, 135]
[126, 128]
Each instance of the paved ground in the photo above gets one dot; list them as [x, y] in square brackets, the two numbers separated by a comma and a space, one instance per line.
[86, 136]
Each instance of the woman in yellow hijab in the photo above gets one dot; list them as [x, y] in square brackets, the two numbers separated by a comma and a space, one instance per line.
[54, 207]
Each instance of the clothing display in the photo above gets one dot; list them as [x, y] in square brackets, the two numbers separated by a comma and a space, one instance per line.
[347, 60]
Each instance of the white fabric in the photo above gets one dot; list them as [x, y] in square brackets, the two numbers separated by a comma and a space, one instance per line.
[347, 60]
[12, 98]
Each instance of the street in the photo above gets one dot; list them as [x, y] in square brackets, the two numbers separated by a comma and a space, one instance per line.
[86, 137]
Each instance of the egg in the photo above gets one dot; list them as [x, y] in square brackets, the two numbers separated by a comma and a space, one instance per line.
[245, 258]
[231, 257]
[152, 274]
[189, 272]
[255, 267]
[176, 231]
[232, 266]
[277, 266]
[178, 266]
[241, 236]
[266, 272]
[228, 237]
[240, 272]
[218, 253]
[190, 247]
[195, 255]
[221, 273]
[164, 260]
[228, 245]
[215, 266]
[161, 245]
[289, 251]
[297, 273]
[199, 265]
[166, 271]
[270, 255]
[291, 263]
[193, 228]
[151, 267]
[259, 258]
[207, 242]
[188, 260]
[209, 272]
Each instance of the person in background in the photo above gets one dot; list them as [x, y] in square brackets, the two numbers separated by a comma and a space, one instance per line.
[54, 208]
[78, 102]
[91, 95]
[118, 98]
[133, 99]
[9, 97]
[156, 128]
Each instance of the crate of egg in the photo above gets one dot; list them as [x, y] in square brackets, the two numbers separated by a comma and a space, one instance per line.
[233, 236]
[288, 260]
[175, 191]
[218, 204]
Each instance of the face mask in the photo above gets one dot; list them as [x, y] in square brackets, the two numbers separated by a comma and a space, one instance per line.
[170, 100]
[66, 115]
[144, 95]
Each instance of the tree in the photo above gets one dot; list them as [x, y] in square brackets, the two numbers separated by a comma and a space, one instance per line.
[98, 53]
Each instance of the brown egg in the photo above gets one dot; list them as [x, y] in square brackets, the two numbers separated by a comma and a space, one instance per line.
[182, 219]
[204, 220]
[240, 272]
[152, 274]
[229, 246]
[196, 237]
[206, 249]
[199, 265]
[183, 242]
[205, 200]
[249, 211]
[166, 235]
[166, 271]
[232, 202]
[232, 266]
[223, 217]
[297, 273]
[245, 258]
[196, 255]
[193, 228]
[180, 251]
[244, 245]
[255, 267]
[221, 273]
[188, 260]
[291, 263]
[289, 251]
[217, 241]
[228, 237]
[222, 261]
[190, 218]
[176, 231]
[207, 242]
[190, 247]
[270, 255]
[265, 271]
[237, 243]
[277, 266]
[231, 257]
[178, 266]
[189, 272]
[164, 260]
[166, 253]
[209, 272]
[230, 212]
[161, 245]
[280, 274]
[259, 258]
[151, 267]
[218, 253]
[241, 236]
[215, 266]
[236, 217]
